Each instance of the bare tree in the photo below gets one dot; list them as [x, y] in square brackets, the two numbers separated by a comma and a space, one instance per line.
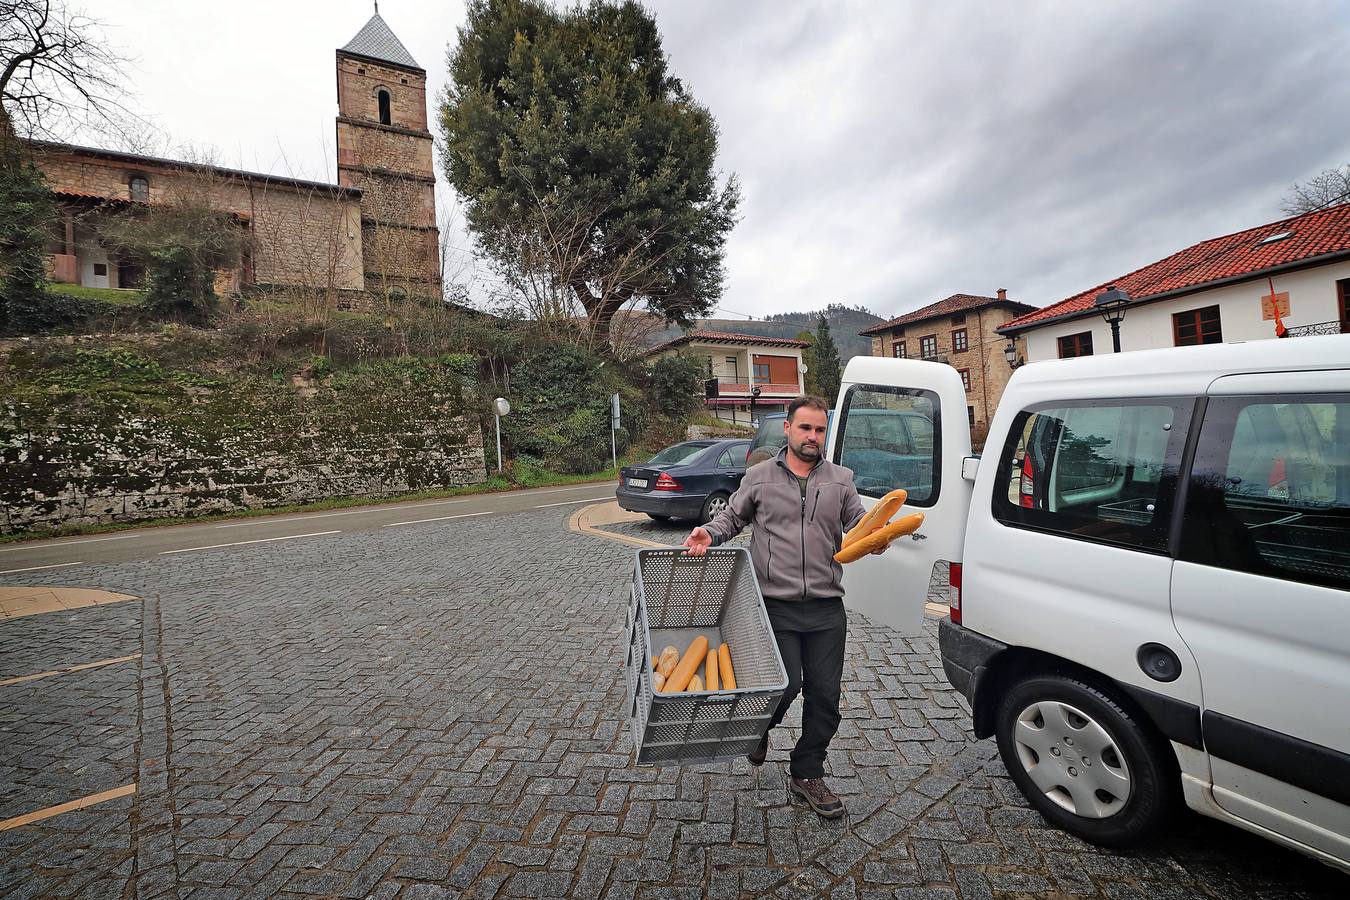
[1324, 189]
[56, 71]
[555, 270]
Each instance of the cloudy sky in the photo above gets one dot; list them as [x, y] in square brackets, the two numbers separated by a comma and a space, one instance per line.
[891, 153]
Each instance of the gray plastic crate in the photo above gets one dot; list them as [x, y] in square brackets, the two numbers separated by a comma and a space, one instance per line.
[675, 598]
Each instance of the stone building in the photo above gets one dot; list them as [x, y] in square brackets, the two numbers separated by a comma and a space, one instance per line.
[374, 231]
[962, 331]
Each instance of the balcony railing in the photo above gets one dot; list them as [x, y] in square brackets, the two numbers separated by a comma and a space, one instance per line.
[1336, 327]
[733, 386]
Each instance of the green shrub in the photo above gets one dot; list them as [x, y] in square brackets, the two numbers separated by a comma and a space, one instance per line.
[677, 385]
[560, 410]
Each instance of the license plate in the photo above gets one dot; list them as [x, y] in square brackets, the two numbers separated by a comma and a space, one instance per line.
[637, 482]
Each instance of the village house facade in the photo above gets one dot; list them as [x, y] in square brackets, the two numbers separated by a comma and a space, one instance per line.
[1221, 290]
[746, 375]
[375, 230]
[963, 331]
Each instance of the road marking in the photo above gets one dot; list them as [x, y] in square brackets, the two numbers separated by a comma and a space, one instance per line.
[68, 669]
[289, 537]
[28, 545]
[263, 520]
[35, 568]
[82, 803]
[569, 502]
[438, 519]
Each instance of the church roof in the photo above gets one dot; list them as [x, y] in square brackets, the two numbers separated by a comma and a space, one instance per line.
[376, 41]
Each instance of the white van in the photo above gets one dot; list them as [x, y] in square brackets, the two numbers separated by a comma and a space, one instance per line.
[1150, 577]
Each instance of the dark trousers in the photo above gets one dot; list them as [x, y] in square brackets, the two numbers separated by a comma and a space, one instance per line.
[810, 635]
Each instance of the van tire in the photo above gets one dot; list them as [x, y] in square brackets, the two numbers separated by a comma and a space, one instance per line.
[1134, 760]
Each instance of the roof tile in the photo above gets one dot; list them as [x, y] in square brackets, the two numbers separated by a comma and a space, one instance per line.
[377, 41]
[954, 304]
[1232, 256]
[727, 337]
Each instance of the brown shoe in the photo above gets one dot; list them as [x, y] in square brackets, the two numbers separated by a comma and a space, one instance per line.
[760, 753]
[821, 798]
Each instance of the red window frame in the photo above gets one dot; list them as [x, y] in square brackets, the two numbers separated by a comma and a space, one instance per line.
[1197, 326]
[926, 343]
[965, 378]
[1073, 345]
[1343, 290]
[960, 340]
[899, 350]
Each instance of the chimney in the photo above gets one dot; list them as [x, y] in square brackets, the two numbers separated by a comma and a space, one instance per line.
[1003, 293]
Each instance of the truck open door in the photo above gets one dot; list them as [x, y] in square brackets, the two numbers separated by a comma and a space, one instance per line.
[902, 423]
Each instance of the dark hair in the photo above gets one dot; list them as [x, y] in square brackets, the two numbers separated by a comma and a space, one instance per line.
[807, 400]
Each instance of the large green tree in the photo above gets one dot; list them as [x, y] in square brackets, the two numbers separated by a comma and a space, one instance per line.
[828, 373]
[587, 168]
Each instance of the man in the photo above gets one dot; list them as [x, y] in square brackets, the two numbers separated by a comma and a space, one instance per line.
[800, 505]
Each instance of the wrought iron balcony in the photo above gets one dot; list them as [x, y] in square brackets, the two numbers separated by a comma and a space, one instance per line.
[1334, 327]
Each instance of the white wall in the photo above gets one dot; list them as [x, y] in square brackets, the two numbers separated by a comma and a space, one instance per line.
[1312, 299]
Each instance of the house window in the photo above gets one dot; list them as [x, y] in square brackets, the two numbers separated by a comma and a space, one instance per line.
[139, 187]
[101, 269]
[970, 413]
[899, 350]
[1072, 345]
[960, 342]
[1343, 292]
[965, 378]
[1197, 326]
[959, 319]
[761, 373]
[928, 346]
[383, 97]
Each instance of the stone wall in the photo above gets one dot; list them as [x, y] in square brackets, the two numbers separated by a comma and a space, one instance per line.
[112, 437]
[359, 79]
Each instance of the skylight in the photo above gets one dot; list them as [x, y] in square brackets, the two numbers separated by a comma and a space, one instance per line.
[1272, 238]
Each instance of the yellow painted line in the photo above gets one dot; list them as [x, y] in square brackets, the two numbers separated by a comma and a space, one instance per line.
[80, 668]
[82, 803]
[580, 523]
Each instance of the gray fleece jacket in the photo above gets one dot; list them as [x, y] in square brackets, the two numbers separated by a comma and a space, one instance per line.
[795, 537]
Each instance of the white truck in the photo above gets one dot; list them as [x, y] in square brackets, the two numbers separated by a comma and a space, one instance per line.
[1150, 576]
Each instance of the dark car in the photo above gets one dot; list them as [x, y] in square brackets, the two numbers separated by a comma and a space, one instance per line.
[692, 480]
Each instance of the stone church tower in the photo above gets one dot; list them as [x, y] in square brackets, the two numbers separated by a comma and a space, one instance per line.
[384, 149]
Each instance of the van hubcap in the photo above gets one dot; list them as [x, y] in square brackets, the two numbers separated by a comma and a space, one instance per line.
[1072, 759]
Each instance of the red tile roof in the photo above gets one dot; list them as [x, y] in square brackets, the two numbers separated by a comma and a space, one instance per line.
[1314, 238]
[726, 337]
[954, 304]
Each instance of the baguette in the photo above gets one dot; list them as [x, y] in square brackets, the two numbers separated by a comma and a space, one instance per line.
[658, 682]
[711, 666]
[879, 540]
[678, 680]
[670, 658]
[695, 684]
[876, 518]
[724, 669]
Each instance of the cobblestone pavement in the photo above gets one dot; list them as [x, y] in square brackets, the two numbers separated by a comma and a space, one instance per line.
[434, 711]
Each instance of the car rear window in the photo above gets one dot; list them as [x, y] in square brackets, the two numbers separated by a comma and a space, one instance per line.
[1103, 470]
[680, 453]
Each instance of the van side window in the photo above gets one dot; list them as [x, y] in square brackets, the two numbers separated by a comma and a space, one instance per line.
[1101, 470]
[889, 437]
[1270, 488]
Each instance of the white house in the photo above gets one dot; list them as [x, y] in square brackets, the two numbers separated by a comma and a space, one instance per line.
[743, 371]
[1219, 290]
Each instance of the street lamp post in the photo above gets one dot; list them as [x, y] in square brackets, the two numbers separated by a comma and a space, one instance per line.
[1010, 354]
[1111, 303]
[501, 406]
[755, 391]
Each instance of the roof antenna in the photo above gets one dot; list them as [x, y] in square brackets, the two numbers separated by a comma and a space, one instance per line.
[377, 7]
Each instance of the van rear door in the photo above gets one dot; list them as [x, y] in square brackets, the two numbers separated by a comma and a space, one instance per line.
[902, 423]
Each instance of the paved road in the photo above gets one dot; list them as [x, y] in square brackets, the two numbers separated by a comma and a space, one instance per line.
[433, 710]
[39, 556]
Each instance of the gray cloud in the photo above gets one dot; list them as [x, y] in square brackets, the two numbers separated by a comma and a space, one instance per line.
[891, 153]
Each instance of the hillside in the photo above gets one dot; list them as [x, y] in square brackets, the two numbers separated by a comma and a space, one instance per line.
[845, 323]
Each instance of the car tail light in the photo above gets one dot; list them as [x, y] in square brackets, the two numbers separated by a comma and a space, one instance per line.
[954, 592]
[1026, 487]
[666, 483]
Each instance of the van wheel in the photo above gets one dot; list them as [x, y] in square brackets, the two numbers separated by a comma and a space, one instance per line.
[1086, 763]
[712, 506]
